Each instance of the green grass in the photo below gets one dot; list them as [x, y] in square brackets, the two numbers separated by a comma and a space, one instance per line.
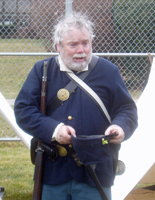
[14, 69]
[16, 171]
[21, 45]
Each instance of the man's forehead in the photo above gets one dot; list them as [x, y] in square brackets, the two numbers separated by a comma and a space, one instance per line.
[74, 34]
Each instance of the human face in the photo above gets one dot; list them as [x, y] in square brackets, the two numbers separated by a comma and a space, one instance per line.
[75, 49]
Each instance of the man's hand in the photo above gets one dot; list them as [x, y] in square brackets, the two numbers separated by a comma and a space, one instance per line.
[115, 129]
[64, 134]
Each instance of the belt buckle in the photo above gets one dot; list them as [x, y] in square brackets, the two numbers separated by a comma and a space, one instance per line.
[61, 150]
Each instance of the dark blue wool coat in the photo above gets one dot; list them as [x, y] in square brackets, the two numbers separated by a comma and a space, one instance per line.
[106, 81]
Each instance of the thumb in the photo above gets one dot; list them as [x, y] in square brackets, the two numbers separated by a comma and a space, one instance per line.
[71, 131]
[109, 130]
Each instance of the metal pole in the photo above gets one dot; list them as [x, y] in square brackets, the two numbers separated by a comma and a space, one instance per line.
[3, 13]
[55, 54]
[68, 7]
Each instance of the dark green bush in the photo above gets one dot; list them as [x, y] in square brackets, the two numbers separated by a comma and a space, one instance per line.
[7, 30]
[134, 25]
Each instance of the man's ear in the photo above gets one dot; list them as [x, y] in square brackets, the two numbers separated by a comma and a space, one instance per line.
[57, 47]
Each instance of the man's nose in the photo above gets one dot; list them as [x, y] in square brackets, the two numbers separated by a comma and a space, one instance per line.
[80, 49]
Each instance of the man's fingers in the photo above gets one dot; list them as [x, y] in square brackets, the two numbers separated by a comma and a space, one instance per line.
[115, 129]
[64, 134]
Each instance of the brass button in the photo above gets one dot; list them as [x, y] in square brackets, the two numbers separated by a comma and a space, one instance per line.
[70, 146]
[70, 117]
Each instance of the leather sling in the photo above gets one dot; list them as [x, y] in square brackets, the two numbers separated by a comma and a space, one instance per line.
[71, 86]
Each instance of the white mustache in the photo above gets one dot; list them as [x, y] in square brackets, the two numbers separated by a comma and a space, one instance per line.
[79, 55]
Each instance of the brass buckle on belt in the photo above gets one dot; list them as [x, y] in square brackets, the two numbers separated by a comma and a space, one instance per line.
[61, 150]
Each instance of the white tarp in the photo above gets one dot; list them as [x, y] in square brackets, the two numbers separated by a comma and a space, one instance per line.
[138, 152]
[8, 115]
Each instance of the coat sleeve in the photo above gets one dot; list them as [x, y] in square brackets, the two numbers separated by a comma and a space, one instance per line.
[124, 110]
[27, 108]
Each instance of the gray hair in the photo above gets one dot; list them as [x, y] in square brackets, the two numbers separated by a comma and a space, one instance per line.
[75, 20]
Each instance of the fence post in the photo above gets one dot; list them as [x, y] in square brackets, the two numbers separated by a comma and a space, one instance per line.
[68, 7]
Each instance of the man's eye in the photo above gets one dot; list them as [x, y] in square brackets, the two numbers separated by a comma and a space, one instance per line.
[72, 44]
[85, 43]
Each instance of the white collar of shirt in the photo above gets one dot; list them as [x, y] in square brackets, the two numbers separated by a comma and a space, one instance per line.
[64, 68]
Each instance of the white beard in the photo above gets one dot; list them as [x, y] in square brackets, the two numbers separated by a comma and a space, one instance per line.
[68, 61]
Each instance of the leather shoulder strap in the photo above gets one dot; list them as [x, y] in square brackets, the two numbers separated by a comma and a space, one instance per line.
[71, 86]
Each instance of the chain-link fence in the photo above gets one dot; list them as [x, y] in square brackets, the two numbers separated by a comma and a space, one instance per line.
[120, 26]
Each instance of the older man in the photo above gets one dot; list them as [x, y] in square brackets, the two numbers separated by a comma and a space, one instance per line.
[78, 114]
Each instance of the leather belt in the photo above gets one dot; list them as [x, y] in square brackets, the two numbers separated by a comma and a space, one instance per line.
[58, 150]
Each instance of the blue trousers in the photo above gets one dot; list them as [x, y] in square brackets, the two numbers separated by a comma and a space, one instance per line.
[73, 190]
